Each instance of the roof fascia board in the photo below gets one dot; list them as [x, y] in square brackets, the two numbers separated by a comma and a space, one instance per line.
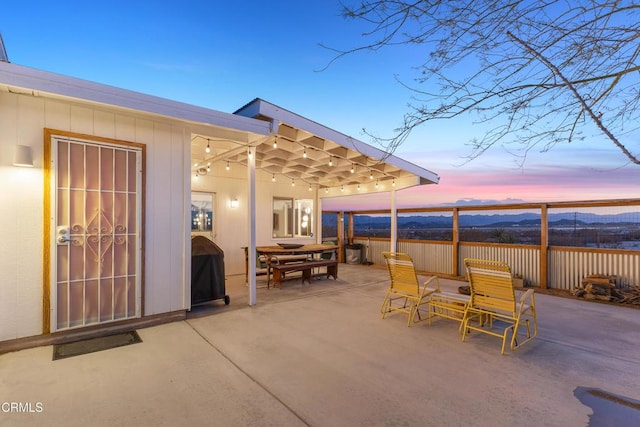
[57, 84]
[261, 107]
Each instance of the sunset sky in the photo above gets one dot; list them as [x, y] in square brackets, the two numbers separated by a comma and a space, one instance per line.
[221, 55]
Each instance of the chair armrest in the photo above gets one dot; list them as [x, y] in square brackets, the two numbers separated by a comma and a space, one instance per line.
[528, 294]
[523, 299]
[425, 286]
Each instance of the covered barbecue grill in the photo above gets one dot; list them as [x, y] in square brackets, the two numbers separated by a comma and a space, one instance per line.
[207, 271]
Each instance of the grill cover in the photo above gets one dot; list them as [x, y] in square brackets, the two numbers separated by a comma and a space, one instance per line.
[207, 271]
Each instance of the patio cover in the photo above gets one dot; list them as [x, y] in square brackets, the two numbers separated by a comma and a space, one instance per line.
[304, 151]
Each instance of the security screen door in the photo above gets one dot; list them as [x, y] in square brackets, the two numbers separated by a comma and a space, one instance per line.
[96, 244]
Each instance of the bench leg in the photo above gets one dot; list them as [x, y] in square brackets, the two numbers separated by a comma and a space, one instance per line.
[332, 271]
[306, 275]
[277, 279]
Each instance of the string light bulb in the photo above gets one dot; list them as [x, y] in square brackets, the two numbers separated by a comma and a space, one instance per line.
[208, 167]
[208, 149]
[304, 153]
[275, 143]
[330, 160]
[228, 167]
[393, 183]
[273, 177]
[293, 182]
[309, 187]
[342, 188]
[353, 168]
[370, 174]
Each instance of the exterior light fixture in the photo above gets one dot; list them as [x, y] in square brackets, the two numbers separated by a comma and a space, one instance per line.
[353, 168]
[22, 156]
[358, 187]
[273, 177]
[309, 187]
[370, 174]
[330, 160]
[228, 167]
[304, 153]
[275, 143]
[208, 149]
[326, 190]
[234, 203]
[393, 183]
[293, 182]
[342, 188]
[208, 167]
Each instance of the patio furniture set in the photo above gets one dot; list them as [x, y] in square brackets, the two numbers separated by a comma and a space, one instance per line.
[491, 308]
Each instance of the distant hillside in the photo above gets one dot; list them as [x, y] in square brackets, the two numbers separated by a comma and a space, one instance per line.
[495, 220]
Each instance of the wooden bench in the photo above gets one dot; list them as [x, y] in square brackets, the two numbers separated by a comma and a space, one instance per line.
[305, 267]
[261, 262]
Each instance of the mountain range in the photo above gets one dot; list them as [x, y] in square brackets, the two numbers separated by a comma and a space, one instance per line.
[568, 219]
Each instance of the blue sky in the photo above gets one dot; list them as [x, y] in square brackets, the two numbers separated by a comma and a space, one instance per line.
[221, 55]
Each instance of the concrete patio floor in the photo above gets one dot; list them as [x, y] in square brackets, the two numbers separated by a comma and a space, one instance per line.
[320, 355]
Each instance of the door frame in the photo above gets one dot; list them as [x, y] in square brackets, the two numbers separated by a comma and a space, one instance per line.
[48, 134]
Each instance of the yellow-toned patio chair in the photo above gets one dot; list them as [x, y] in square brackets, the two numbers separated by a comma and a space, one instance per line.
[405, 293]
[493, 300]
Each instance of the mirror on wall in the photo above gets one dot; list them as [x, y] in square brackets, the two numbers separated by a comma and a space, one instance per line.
[282, 217]
[292, 217]
[304, 217]
[202, 214]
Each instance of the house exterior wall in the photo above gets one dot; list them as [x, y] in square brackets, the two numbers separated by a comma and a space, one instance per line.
[22, 120]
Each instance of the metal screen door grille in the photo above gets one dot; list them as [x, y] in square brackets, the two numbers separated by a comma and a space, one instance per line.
[97, 221]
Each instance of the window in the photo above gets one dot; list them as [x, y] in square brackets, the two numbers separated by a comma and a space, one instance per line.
[292, 217]
[202, 212]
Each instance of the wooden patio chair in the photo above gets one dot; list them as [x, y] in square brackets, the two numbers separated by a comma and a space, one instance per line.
[493, 300]
[405, 293]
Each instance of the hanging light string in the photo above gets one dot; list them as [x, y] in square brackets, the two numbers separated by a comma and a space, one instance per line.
[305, 148]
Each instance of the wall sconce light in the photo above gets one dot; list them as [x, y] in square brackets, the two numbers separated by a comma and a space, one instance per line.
[234, 203]
[23, 156]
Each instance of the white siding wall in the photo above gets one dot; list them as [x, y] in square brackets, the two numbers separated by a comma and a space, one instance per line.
[22, 119]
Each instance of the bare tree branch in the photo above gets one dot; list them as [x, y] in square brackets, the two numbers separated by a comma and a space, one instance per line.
[540, 73]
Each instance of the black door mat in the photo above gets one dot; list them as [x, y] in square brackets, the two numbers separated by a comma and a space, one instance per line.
[76, 348]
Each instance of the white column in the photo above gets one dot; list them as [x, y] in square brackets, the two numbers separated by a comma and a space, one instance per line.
[251, 171]
[394, 223]
[319, 237]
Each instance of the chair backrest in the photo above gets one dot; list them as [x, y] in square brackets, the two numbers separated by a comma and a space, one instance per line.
[491, 285]
[402, 272]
